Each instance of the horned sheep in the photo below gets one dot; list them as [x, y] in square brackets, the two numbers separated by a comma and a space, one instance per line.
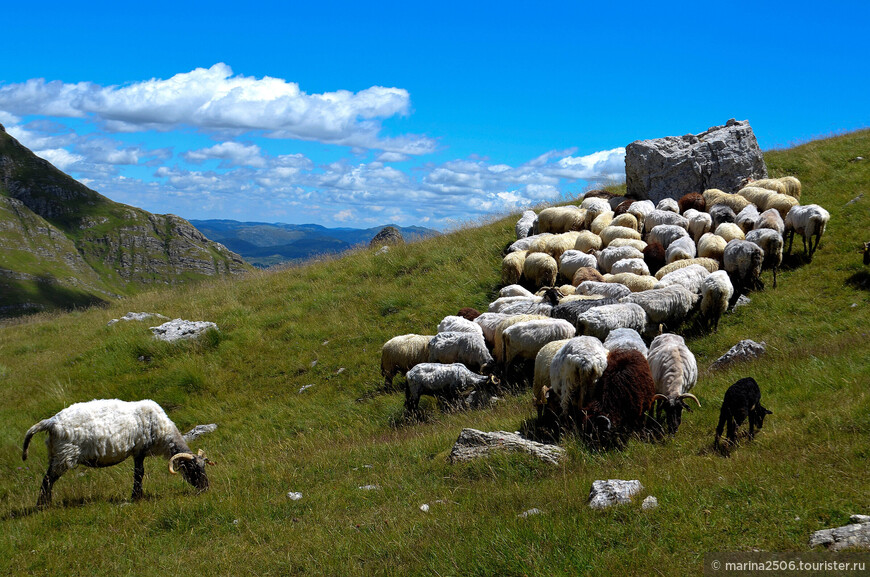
[102, 433]
[675, 372]
[444, 381]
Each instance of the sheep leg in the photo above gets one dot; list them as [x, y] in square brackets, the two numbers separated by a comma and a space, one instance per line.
[55, 470]
[138, 473]
[732, 430]
[774, 276]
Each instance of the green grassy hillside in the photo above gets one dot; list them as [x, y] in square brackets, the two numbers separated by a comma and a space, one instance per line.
[323, 324]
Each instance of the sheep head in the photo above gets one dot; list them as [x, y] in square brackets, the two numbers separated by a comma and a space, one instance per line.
[673, 407]
[867, 253]
[192, 468]
[757, 414]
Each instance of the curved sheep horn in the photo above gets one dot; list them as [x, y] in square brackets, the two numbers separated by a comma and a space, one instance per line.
[609, 424]
[660, 396]
[177, 457]
[691, 396]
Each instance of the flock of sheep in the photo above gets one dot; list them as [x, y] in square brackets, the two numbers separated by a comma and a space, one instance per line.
[593, 298]
[632, 272]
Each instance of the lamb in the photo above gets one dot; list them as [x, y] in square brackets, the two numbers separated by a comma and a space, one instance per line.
[512, 267]
[711, 246]
[771, 219]
[716, 293]
[771, 243]
[572, 260]
[668, 306]
[669, 204]
[540, 269]
[743, 260]
[102, 433]
[700, 223]
[522, 341]
[690, 277]
[747, 218]
[682, 248]
[445, 381]
[808, 221]
[675, 372]
[558, 219]
[692, 200]
[599, 321]
[742, 399]
[575, 368]
[400, 354]
[720, 214]
[625, 340]
[466, 348]
[665, 234]
[659, 217]
[458, 324]
[526, 224]
[612, 290]
[610, 255]
[633, 265]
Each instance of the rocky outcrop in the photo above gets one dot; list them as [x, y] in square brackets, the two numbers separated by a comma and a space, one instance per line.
[389, 236]
[473, 444]
[673, 166]
[180, 329]
[855, 535]
[605, 494]
[745, 350]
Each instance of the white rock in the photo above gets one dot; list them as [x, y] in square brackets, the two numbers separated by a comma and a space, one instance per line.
[370, 487]
[424, 507]
[305, 387]
[180, 329]
[860, 519]
[649, 503]
[199, 430]
[529, 513]
[613, 492]
[137, 317]
[294, 496]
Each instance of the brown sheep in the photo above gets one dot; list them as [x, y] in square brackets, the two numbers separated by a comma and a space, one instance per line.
[692, 200]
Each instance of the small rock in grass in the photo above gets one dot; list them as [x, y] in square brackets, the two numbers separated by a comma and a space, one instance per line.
[369, 487]
[530, 513]
[424, 507]
[294, 495]
[613, 492]
[649, 503]
[305, 387]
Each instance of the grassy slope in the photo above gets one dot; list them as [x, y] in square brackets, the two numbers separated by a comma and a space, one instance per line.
[806, 470]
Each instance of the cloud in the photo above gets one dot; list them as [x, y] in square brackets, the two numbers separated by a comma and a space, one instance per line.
[214, 99]
[344, 215]
[59, 157]
[230, 154]
[603, 165]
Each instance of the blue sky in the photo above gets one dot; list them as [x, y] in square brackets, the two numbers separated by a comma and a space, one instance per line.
[360, 114]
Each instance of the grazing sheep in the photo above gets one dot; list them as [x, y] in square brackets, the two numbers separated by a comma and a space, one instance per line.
[668, 306]
[640, 209]
[675, 372]
[742, 399]
[654, 256]
[771, 243]
[635, 282]
[792, 186]
[638, 244]
[558, 219]
[716, 293]
[557, 244]
[512, 267]
[515, 290]
[610, 255]
[682, 248]
[400, 354]
[783, 203]
[729, 231]
[594, 206]
[488, 323]
[625, 339]
[587, 241]
[747, 218]
[570, 310]
[771, 219]
[742, 261]
[528, 308]
[509, 320]
[585, 273]
[102, 433]
[599, 321]
[760, 197]
[612, 290]
[692, 200]
[448, 382]
[526, 224]
[601, 222]
[572, 260]
[633, 265]
[669, 204]
[541, 379]
[700, 223]
[665, 234]
[500, 303]
[526, 243]
[540, 269]
[690, 277]
[575, 368]
[711, 246]
[774, 184]
[626, 392]
[522, 341]
[720, 214]
[458, 324]
[626, 220]
[660, 217]
[466, 348]
[611, 233]
[714, 197]
[708, 263]
[808, 221]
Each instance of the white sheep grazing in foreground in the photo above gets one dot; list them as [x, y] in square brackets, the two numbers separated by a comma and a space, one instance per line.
[689, 277]
[747, 218]
[612, 290]
[575, 368]
[771, 243]
[445, 381]
[526, 224]
[102, 433]
[660, 217]
[675, 372]
[716, 293]
[540, 269]
[458, 324]
[574, 259]
[610, 255]
[682, 248]
[541, 378]
[742, 261]
[522, 341]
[711, 246]
[599, 321]
[633, 265]
[771, 219]
[625, 340]
[466, 348]
[668, 204]
[665, 234]
[669, 306]
[515, 290]
[808, 221]
[400, 354]
[700, 223]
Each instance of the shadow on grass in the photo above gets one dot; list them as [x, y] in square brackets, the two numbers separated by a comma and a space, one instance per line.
[74, 503]
[24, 297]
[859, 280]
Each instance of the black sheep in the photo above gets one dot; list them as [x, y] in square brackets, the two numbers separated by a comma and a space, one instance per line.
[742, 399]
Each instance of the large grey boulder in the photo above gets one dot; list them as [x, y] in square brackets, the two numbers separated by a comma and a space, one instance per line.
[180, 329]
[605, 494]
[855, 535]
[388, 236]
[672, 166]
[473, 444]
[745, 350]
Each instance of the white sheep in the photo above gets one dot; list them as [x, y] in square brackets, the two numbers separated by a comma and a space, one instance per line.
[445, 381]
[458, 324]
[689, 277]
[488, 322]
[508, 321]
[512, 267]
[466, 348]
[601, 222]
[730, 231]
[634, 282]
[559, 219]
[716, 293]
[611, 233]
[400, 354]
[771, 243]
[675, 372]
[668, 306]
[638, 244]
[626, 220]
[742, 261]
[715, 197]
[522, 341]
[682, 248]
[540, 269]
[575, 368]
[640, 210]
[515, 290]
[525, 224]
[747, 218]
[610, 255]
[631, 265]
[711, 246]
[541, 378]
[660, 217]
[668, 204]
[700, 223]
[665, 234]
[587, 241]
[594, 206]
[721, 213]
[556, 244]
[102, 433]
[771, 219]
[599, 321]
[527, 242]
[605, 289]
[625, 340]
[500, 303]
[574, 259]
[808, 221]
[708, 263]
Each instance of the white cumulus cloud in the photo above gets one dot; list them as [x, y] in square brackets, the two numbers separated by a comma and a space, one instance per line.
[230, 154]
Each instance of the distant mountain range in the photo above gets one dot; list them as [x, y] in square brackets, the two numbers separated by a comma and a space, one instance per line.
[264, 244]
